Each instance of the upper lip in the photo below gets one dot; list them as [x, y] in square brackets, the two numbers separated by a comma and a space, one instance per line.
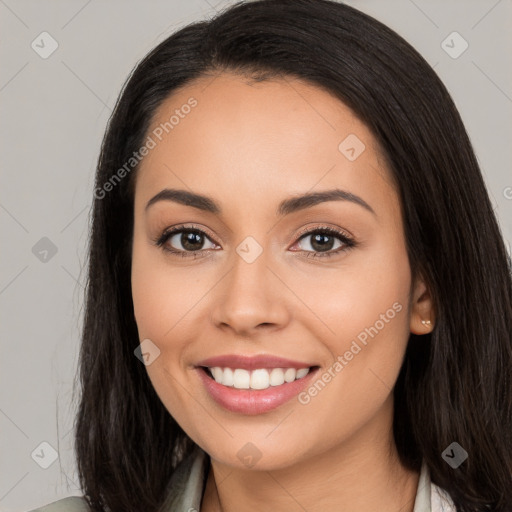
[252, 362]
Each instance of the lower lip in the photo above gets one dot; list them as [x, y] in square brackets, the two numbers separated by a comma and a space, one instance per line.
[254, 401]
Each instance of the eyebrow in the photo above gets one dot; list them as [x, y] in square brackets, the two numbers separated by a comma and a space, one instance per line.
[286, 207]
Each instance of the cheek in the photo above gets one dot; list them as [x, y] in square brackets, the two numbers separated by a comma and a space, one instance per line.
[365, 307]
[369, 289]
[370, 324]
[159, 310]
[149, 299]
[162, 293]
[167, 309]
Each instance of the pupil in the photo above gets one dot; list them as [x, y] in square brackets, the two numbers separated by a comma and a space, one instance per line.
[191, 240]
[321, 241]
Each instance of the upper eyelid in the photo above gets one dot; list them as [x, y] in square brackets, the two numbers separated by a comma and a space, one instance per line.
[179, 228]
[334, 231]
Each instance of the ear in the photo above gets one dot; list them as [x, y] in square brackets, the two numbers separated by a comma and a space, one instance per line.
[422, 319]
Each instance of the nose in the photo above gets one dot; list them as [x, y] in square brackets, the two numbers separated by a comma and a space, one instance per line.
[251, 298]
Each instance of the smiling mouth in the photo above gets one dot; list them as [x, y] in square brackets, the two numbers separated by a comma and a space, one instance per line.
[258, 379]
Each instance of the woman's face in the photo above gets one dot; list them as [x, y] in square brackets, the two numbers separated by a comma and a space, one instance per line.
[258, 281]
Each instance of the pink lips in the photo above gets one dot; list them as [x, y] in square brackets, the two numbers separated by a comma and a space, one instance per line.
[253, 401]
[252, 362]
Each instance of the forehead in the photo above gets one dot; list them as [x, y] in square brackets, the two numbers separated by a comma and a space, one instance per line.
[262, 139]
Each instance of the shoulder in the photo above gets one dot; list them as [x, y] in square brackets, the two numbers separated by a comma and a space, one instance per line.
[71, 504]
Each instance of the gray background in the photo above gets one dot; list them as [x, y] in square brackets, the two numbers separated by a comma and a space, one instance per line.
[54, 112]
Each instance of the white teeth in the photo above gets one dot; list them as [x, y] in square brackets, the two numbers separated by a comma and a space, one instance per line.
[276, 377]
[260, 379]
[241, 379]
[227, 377]
[217, 374]
[257, 379]
[302, 372]
[289, 374]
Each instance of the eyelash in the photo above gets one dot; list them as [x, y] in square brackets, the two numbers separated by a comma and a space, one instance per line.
[349, 243]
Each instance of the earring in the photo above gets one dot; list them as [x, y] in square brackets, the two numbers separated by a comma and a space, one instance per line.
[426, 322]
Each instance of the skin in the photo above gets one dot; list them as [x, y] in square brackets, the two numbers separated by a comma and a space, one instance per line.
[249, 146]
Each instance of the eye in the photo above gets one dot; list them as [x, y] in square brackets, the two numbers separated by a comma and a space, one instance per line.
[322, 241]
[186, 239]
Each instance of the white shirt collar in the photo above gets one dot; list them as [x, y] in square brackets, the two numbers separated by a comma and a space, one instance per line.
[186, 487]
[430, 497]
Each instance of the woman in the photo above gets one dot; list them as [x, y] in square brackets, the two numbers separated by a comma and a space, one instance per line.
[298, 295]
